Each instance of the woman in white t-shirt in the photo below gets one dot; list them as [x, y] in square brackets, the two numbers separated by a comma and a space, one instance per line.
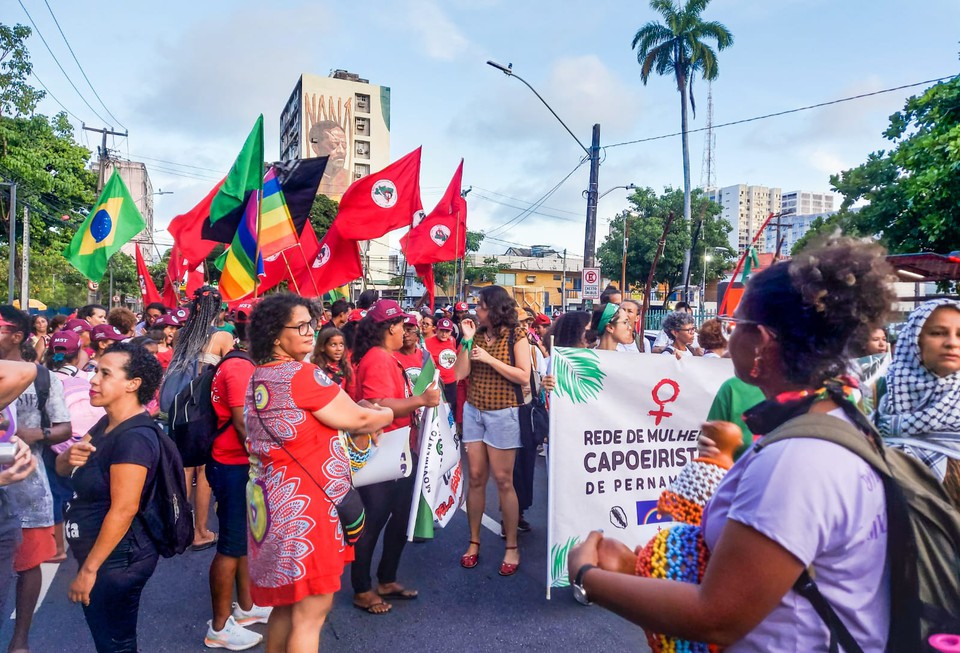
[681, 329]
[795, 504]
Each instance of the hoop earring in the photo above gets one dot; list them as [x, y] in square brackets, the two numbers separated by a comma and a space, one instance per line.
[755, 370]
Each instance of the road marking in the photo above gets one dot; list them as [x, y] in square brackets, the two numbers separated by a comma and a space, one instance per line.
[48, 570]
[488, 522]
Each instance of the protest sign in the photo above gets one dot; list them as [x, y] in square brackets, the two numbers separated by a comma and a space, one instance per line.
[389, 461]
[621, 429]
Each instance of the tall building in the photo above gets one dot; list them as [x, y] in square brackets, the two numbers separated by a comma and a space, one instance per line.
[799, 208]
[346, 118]
[746, 208]
[804, 202]
[137, 179]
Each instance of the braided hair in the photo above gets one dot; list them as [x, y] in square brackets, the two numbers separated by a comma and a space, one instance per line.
[193, 337]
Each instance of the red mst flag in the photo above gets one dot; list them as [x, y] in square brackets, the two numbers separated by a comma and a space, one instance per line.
[425, 272]
[442, 235]
[382, 201]
[187, 230]
[325, 265]
[147, 288]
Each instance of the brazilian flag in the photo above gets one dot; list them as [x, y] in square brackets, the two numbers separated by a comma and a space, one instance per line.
[113, 221]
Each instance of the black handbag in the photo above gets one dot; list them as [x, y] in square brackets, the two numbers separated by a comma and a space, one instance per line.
[350, 508]
[534, 420]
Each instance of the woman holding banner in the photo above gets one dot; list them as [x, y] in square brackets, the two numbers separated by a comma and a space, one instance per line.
[788, 505]
[381, 380]
[611, 327]
[496, 357]
[299, 473]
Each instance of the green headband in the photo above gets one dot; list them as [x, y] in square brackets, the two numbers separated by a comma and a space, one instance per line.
[608, 312]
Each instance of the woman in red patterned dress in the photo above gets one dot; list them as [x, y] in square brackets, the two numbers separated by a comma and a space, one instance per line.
[297, 548]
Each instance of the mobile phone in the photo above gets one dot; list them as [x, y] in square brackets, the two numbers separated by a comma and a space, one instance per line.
[8, 452]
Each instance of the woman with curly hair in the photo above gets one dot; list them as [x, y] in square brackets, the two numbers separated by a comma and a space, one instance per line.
[680, 329]
[495, 355]
[793, 504]
[297, 547]
[112, 470]
[711, 339]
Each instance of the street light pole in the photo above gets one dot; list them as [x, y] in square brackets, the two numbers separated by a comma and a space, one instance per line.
[593, 154]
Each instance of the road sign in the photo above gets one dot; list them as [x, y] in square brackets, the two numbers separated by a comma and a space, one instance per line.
[116, 299]
[591, 283]
[93, 286]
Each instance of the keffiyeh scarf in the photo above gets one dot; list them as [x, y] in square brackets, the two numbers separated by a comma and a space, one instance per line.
[920, 411]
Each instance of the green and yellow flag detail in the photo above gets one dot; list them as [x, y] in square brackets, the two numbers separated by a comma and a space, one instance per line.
[113, 221]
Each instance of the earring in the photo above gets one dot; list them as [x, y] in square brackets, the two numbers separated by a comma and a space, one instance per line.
[755, 370]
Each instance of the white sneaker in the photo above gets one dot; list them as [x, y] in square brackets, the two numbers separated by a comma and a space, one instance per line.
[233, 637]
[255, 615]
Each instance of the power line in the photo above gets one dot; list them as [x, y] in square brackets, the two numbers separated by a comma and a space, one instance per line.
[783, 113]
[57, 61]
[97, 95]
[523, 215]
[69, 112]
[174, 163]
[517, 199]
[512, 206]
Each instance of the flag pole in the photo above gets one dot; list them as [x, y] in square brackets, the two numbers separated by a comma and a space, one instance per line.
[256, 257]
[166, 272]
[290, 272]
[309, 273]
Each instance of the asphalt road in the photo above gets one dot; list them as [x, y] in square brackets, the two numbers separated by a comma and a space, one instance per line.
[458, 610]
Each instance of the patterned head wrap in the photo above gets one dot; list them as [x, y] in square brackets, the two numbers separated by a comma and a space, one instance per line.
[921, 410]
[608, 312]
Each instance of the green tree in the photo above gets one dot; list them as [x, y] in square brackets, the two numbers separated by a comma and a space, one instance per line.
[678, 47]
[646, 218]
[444, 273]
[16, 96]
[322, 213]
[914, 189]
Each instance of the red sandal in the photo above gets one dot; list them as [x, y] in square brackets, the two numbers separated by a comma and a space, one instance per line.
[469, 561]
[507, 568]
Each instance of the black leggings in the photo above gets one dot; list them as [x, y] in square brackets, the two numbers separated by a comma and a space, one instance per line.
[386, 504]
[115, 599]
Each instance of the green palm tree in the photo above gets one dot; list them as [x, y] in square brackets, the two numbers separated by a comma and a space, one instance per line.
[678, 47]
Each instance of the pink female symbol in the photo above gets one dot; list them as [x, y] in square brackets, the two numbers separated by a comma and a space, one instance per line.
[661, 401]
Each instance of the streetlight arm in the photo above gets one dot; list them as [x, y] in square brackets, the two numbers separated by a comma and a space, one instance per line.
[509, 71]
[610, 190]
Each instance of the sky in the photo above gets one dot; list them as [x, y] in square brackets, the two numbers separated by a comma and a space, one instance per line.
[188, 79]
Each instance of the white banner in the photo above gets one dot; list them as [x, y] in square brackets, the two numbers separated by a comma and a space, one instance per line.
[621, 429]
[388, 461]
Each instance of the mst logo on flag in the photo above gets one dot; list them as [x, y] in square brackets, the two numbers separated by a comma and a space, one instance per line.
[440, 234]
[384, 193]
[322, 256]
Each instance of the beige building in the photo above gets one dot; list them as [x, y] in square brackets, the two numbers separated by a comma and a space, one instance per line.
[746, 208]
[346, 118]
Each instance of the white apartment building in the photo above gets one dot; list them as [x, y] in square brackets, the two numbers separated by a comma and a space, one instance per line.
[804, 202]
[346, 118]
[792, 228]
[746, 208]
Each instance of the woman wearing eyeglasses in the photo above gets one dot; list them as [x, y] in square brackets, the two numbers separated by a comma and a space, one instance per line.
[293, 411]
[611, 327]
[681, 330]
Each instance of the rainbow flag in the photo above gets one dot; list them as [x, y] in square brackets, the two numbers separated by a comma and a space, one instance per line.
[239, 277]
[277, 231]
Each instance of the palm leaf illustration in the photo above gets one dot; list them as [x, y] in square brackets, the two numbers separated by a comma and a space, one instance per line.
[578, 373]
[558, 562]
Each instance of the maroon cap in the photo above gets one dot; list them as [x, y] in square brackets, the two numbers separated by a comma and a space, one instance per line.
[356, 315]
[77, 325]
[66, 341]
[461, 306]
[103, 332]
[167, 320]
[411, 320]
[244, 310]
[542, 319]
[385, 309]
[181, 314]
[4, 323]
[445, 324]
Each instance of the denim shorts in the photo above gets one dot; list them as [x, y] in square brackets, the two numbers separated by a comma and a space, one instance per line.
[229, 485]
[499, 429]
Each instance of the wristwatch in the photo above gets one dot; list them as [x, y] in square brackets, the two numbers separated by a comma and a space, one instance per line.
[579, 593]
[46, 435]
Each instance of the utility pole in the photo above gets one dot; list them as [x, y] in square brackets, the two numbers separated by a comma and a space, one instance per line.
[563, 284]
[25, 263]
[13, 242]
[101, 178]
[623, 262]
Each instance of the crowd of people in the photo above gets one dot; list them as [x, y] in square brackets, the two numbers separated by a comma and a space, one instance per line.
[302, 392]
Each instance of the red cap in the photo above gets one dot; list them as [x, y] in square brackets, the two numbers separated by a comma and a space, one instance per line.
[384, 310]
[356, 315]
[542, 319]
[77, 325]
[461, 306]
[66, 341]
[167, 320]
[445, 324]
[103, 332]
[4, 323]
[181, 314]
[411, 320]
[244, 309]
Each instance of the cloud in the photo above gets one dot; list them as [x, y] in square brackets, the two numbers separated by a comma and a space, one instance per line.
[435, 32]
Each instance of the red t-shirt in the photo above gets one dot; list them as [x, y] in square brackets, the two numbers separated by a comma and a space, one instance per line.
[412, 364]
[165, 357]
[380, 376]
[228, 390]
[444, 356]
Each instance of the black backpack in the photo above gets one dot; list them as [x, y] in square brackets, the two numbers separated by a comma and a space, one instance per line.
[166, 514]
[191, 420]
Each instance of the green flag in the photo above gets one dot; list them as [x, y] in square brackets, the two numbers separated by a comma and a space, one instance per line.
[245, 177]
[751, 262]
[113, 221]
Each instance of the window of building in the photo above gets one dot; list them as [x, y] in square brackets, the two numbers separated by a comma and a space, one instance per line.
[557, 277]
[577, 284]
[360, 170]
[363, 102]
[531, 278]
[506, 279]
[363, 149]
[363, 126]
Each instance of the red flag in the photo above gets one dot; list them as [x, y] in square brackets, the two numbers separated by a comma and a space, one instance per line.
[176, 268]
[187, 230]
[147, 288]
[442, 235]
[323, 266]
[383, 201]
[195, 279]
[425, 272]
